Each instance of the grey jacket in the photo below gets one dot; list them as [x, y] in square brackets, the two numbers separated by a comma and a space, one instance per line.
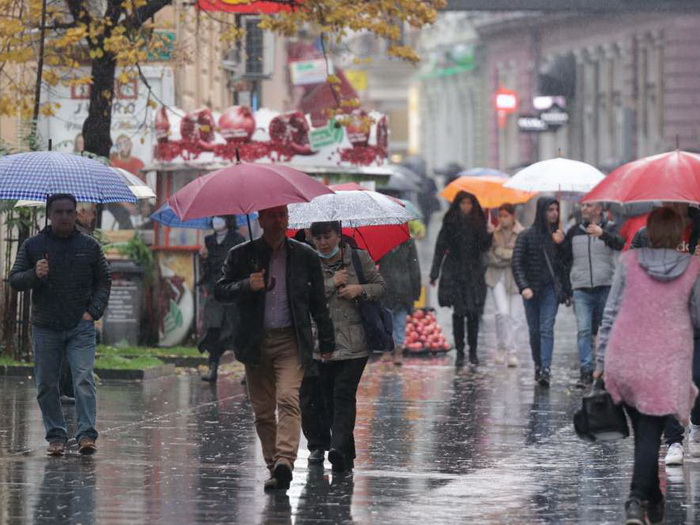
[349, 334]
[591, 261]
[661, 264]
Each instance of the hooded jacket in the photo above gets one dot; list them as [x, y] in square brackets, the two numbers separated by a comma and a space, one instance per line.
[537, 261]
[501, 258]
[590, 261]
[645, 342]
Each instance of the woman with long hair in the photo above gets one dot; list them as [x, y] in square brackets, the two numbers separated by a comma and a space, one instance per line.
[460, 263]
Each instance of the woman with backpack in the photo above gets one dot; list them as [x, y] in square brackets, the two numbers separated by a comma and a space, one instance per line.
[332, 422]
[460, 263]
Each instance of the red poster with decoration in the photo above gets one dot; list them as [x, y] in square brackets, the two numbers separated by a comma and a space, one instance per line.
[247, 6]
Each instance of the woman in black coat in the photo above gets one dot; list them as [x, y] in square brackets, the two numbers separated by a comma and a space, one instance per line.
[460, 256]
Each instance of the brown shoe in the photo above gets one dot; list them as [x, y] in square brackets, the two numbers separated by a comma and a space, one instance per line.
[398, 355]
[56, 448]
[87, 446]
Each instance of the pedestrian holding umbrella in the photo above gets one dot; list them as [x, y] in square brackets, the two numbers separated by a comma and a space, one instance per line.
[489, 189]
[556, 176]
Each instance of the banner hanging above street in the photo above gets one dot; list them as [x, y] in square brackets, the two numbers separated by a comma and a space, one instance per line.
[249, 7]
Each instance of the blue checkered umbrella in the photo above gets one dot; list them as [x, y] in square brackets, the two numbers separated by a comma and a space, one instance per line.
[38, 174]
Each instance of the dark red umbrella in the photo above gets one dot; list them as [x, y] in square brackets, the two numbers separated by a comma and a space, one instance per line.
[244, 188]
[250, 7]
[671, 177]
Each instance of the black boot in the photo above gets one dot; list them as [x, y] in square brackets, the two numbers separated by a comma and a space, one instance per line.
[213, 373]
[458, 333]
[473, 337]
[459, 362]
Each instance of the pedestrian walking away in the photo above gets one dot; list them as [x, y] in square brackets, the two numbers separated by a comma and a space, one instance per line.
[460, 263]
[501, 286]
[539, 272]
[217, 316]
[590, 254]
[330, 423]
[400, 269]
[645, 350]
[70, 283]
[276, 286]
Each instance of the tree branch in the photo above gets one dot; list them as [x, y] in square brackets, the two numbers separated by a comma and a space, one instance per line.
[145, 12]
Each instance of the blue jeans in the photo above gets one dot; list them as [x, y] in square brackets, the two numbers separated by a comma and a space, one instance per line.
[540, 312]
[79, 347]
[589, 304]
[399, 314]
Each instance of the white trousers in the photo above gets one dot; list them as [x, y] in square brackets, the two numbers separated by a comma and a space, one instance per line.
[509, 315]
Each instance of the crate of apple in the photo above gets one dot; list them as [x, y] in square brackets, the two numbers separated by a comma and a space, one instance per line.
[423, 334]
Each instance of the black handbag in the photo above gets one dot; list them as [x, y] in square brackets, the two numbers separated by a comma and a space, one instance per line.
[600, 419]
[376, 319]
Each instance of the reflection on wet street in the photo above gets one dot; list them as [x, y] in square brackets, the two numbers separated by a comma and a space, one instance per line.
[451, 446]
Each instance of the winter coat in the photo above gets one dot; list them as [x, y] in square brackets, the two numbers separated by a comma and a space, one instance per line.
[531, 268]
[646, 338]
[305, 293]
[79, 280]
[401, 271]
[350, 340]
[501, 258]
[460, 262]
[216, 255]
[591, 261]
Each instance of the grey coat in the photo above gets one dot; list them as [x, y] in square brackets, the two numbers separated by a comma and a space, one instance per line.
[349, 333]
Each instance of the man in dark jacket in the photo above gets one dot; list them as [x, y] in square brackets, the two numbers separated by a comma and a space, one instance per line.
[70, 283]
[401, 271]
[217, 330]
[590, 255]
[275, 283]
[540, 274]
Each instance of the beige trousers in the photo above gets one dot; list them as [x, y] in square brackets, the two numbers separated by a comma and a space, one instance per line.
[273, 389]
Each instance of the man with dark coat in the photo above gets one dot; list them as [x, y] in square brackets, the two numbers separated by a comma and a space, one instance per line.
[217, 327]
[401, 271]
[540, 273]
[277, 286]
[70, 283]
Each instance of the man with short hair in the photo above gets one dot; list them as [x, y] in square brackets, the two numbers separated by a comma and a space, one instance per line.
[277, 286]
[590, 255]
[70, 283]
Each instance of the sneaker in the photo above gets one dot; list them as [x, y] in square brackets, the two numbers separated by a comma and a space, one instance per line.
[56, 448]
[87, 446]
[545, 378]
[317, 457]
[694, 441]
[635, 512]
[674, 454]
[500, 356]
[512, 361]
[655, 512]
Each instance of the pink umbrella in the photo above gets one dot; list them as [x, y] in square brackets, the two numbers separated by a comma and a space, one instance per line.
[244, 188]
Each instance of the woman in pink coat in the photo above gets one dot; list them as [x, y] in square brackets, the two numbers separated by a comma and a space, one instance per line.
[645, 350]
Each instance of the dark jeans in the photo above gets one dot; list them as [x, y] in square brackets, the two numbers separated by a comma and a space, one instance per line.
[589, 304]
[472, 323]
[541, 312]
[78, 345]
[674, 431]
[334, 426]
[647, 442]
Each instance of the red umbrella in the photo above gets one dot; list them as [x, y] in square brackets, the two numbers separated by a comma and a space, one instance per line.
[671, 177]
[244, 188]
[377, 240]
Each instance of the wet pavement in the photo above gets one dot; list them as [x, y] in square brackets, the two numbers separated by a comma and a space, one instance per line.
[435, 443]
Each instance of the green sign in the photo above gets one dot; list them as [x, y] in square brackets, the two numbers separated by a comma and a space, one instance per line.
[328, 136]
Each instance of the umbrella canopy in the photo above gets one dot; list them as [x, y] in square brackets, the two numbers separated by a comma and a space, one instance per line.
[167, 217]
[556, 175]
[352, 208]
[488, 189]
[35, 175]
[481, 172]
[244, 188]
[670, 177]
[139, 188]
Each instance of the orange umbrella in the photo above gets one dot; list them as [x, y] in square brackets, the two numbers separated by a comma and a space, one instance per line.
[488, 189]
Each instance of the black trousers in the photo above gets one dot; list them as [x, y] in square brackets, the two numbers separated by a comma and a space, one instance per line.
[211, 343]
[674, 431]
[472, 322]
[647, 442]
[330, 422]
